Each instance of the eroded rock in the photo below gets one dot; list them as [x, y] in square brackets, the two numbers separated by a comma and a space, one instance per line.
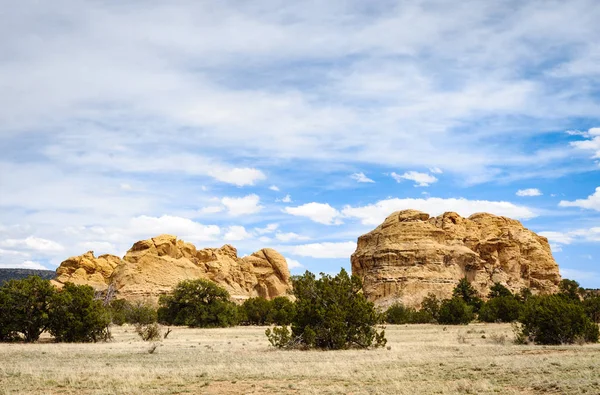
[153, 267]
[412, 254]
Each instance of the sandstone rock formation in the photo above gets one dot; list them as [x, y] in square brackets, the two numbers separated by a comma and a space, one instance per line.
[153, 267]
[412, 254]
[87, 269]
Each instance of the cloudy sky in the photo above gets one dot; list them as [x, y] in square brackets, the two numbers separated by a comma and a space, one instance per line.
[295, 125]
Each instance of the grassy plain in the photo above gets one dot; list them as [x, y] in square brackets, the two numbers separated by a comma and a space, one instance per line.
[421, 359]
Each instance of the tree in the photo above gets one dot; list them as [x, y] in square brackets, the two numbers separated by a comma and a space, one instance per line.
[431, 305]
[24, 306]
[524, 294]
[498, 290]
[75, 316]
[500, 309]
[455, 311]
[141, 313]
[119, 309]
[591, 304]
[331, 313]
[554, 319]
[283, 311]
[198, 303]
[465, 291]
[398, 314]
[570, 289]
[256, 311]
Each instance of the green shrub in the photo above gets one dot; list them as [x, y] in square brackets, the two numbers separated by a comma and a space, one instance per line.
[570, 289]
[8, 330]
[24, 307]
[281, 337]
[500, 309]
[198, 303]
[524, 295]
[331, 313]
[256, 311]
[142, 313]
[75, 316]
[118, 309]
[398, 314]
[431, 306]
[591, 304]
[555, 319]
[283, 311]
[123, 311]
[465, 291]
[498, 291]
[455, 311]
[422, 317]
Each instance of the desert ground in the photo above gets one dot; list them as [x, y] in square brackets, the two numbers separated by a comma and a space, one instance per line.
[419, 359]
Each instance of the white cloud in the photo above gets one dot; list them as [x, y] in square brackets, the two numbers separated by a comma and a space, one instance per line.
[28, 264]
[274, 188]
[293, 264]
[592, 144]
[322, 213]
[270, 228]
[589, 235]
[555, 247]
[242, 206]
[184, 228]
[210, 210]
[287, 237]
[238, 176]
[361, 177]
[13, 253]
[420, 179]
[529, 192]
[374, 214]
[592, 202]
[324, 250]
[287, 199]
[99, 247]
[236, 233]
[557, 237]
[32, 243]
[435, 170]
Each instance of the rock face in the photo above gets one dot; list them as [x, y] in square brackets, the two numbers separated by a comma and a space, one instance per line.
[87, 269]
[153, 267]
[412, 254]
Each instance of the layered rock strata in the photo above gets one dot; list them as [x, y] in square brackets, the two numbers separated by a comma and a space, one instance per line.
[412, 254]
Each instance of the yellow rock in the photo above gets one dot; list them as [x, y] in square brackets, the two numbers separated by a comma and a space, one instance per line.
[153, 267]
[412, 254]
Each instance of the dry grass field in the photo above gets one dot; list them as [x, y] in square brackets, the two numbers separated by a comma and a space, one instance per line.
[421, 359]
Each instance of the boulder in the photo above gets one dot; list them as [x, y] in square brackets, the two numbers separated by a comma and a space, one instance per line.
[412, 254]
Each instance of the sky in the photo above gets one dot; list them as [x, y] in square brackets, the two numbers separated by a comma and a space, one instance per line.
[295, 125]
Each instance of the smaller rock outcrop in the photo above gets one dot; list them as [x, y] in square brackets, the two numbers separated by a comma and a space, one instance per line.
[87, 269]
[153, 267]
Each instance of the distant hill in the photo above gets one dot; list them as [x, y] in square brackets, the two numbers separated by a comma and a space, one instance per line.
[17, 274]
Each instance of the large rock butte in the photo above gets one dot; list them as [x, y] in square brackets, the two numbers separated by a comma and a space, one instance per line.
[412, 254]
[153, 267]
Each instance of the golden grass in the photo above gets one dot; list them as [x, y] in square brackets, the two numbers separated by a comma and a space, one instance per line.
[422, 359]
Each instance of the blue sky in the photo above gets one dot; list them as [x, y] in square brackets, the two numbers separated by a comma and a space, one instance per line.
[297, 126]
